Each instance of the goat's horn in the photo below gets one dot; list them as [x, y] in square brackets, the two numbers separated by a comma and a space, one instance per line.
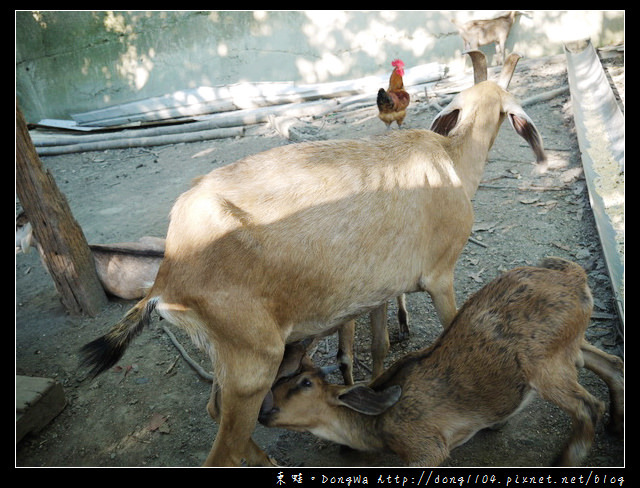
[479, 61]
[507, 70]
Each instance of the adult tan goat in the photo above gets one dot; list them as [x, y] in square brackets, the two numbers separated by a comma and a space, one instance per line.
[521, 333]
[297, 240]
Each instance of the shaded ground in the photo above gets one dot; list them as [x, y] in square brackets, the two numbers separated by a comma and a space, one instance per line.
[151, 410]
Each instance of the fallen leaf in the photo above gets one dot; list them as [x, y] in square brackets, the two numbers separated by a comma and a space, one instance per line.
[156, 422]
[476, 276]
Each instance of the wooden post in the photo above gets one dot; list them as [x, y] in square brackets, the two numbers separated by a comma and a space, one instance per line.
[63, 247]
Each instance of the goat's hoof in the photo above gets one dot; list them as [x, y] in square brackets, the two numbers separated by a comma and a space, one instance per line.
[273, 462]
[540, 168]
[403, 336]
[268, 462]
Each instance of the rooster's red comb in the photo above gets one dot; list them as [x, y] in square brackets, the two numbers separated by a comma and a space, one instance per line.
[397, 63]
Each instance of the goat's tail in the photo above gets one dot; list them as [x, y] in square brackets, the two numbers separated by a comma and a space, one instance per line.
[565, 266]
[573, 275]
[104, 352]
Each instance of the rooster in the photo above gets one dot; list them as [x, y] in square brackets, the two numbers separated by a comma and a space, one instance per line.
[392, 103]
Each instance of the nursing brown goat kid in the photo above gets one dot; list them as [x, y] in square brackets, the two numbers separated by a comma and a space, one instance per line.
[297, 240]
[522, 333]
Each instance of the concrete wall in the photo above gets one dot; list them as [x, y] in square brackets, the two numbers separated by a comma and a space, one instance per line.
[69, 62]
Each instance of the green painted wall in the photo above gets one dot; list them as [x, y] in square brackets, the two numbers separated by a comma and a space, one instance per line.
[69, 62]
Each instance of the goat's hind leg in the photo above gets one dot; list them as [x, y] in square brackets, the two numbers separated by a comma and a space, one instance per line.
[379, 338]
[561, 387]
[236, 407]
[253, 455]
[346, 354]
[611, 369]
[403, 318]
[245, 368]
[233, 443]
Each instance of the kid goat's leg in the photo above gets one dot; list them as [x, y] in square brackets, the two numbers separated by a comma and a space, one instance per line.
[558, 383]
[611, 369]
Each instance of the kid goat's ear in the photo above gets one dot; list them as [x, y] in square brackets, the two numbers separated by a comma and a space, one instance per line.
[369, 402]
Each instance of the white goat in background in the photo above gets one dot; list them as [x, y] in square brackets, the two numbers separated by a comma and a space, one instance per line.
[476, 33]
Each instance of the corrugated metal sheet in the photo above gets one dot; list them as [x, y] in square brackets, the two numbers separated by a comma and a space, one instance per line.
[601, 134]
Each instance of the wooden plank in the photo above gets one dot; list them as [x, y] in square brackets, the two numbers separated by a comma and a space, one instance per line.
[38, 402]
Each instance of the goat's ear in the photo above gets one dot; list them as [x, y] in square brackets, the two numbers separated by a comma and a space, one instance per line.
[369, 402]
[445, 121]
[526, 129]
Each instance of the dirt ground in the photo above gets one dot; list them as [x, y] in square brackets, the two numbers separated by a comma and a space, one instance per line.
[150, 411]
